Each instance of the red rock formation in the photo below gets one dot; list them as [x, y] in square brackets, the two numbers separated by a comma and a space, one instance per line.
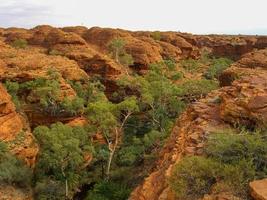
[188, 50]
[258, 189]
[12, 126]
[79, 121]
[231, 46]
[80, 30]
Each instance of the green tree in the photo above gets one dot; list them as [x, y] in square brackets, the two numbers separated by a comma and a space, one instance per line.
[192, 90]
[156, 93]
[156, 35]
[62, 154]
[90, 91]
[110, 119]
[117, 48]
[107, 190]
[217, 66]
[20, 43]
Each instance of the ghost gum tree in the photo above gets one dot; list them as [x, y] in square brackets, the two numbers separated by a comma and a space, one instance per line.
[118, 52]
[110, 119]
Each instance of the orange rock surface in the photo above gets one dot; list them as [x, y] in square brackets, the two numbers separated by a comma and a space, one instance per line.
[12, 126]
[258, 189]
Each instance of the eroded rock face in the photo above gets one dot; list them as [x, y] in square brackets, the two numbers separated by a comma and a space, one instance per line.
[28, 64]
[246, 101]
[14, 127]
[89, 47]
[231, 46]
[243, 102]
[255, 59]
[188, 49]
[258, 189]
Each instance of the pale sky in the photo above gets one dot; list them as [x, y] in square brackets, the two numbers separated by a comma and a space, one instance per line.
[195, 16]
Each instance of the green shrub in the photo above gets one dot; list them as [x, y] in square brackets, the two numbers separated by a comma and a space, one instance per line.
[19, 43]
[107, 190]
[49, 190]
[91, 91]
[232, 148]
[128, 155]
[47, 93]
[153, 137]
[190, 65]
[156, 35]
[55, 52]
[13, 170]
[193, 177]
[176, 76]
[73, 107]
[194, 89]
[13, 88]
[231, 162]
[237, 177]
[126, 59]
[217, 67]
[117, 50]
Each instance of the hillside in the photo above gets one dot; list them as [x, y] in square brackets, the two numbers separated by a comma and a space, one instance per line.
[111, 114]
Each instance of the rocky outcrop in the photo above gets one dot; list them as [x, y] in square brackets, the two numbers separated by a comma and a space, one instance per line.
[88, 47]
[14, 130]
[28, 64]
[231, 46]
[243, 102]
[142, 52]
[258, 189]
[188, 49]
[246, 101]
[245, 66]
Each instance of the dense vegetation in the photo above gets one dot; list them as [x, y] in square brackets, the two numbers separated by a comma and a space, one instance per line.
[19, 43]
[111, 153]
[12, 170]
[45, 94]
[231, 161]
[215, 65]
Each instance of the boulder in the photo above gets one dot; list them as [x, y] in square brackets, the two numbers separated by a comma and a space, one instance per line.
[258, 189]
